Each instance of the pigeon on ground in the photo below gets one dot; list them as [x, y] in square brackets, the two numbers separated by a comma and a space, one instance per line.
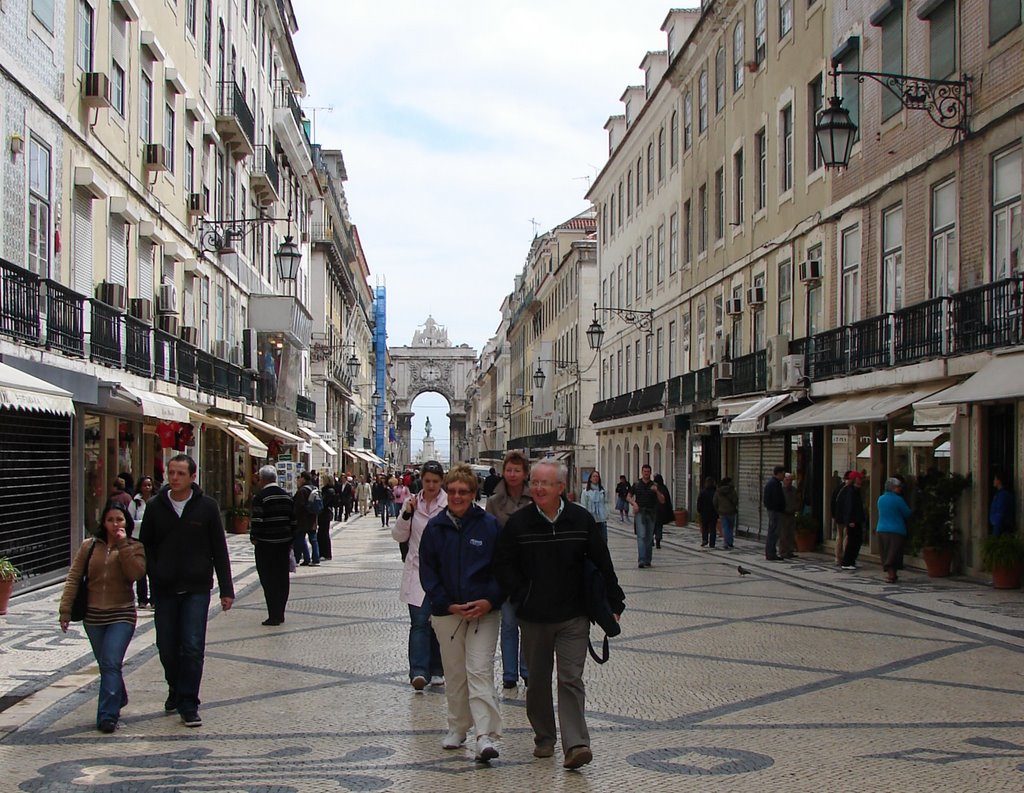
[742, 570]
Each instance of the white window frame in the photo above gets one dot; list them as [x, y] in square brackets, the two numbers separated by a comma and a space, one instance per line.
[944, 270]
[849, 293]
[1006, 216]
[892, 259]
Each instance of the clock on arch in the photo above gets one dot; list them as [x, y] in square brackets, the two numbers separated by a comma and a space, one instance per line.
[430, 373]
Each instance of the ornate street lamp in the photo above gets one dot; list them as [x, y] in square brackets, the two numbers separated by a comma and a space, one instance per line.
[288, 258]
[219, 236]
[641, 320]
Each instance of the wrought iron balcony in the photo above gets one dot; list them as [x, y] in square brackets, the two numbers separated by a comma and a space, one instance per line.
[138, 351]
[187, 359]
[750, 373]
[19, 303]
[234, 119]
[105, 334]
[305, 408]
[165, 356]
[264, 180]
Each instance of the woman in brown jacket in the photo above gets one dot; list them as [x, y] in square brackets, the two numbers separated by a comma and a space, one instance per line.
[115, 563]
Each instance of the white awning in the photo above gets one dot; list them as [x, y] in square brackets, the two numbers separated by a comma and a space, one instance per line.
[863, 409]
[21, 391]
[325, 447]
[932, 412]
[752, 419]
[159, 406]
[277, 432]
[728, 408]
[942, 450]
[1001, 378]
[374, 459]
[256, 447]
[310, 434]
[925, 438]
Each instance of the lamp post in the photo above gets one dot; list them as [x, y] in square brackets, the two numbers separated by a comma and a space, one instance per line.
[641, 320]
[947, 103]
[219, 236]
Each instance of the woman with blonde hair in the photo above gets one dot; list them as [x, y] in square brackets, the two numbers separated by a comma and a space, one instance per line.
[456, 572]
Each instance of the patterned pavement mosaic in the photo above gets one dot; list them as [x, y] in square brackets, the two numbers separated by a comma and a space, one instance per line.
[798, 677]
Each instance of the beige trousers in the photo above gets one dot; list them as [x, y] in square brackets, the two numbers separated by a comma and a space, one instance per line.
[467, 652]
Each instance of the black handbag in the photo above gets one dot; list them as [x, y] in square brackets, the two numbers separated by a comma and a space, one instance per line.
[81, 604]
[599, 611]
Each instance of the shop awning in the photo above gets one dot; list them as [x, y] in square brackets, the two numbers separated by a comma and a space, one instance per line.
[256, 447]
[158, 406]
[863, 409]
[277, 432]
[932, 412]
[22, 391]
[363, 454]
[730, 408]
[752, 419]
[925, 438]
[320, 443]
[1001, 378]
[942, 450]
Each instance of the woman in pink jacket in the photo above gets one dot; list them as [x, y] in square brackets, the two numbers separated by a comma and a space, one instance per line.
[424, 653]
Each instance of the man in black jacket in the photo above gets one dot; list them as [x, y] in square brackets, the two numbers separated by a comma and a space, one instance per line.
[539, 562]
[184, 540]
[271, 531]
[775, 502]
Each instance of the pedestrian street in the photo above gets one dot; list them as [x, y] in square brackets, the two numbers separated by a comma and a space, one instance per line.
[797, 677]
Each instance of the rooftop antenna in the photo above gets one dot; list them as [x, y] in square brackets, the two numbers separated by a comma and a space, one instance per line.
[536, 225]
[577, 178]
[312, 111]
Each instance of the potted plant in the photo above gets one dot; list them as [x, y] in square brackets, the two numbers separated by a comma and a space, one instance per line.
[806, 532]
[8, 575]
[1004, 556]
[681, 516]
[932, 529]
[238, 519]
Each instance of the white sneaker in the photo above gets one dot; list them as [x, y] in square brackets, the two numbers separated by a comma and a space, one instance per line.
[485, 749]
[849, 567]
[453, 740]
[437, 680]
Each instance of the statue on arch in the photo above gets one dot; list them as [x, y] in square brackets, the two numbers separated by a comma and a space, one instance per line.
[431, 335]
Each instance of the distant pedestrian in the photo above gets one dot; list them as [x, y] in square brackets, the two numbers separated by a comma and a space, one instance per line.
[137, 510]
[893, 513]
[490, 483]
[305, 521]
[851, 513]
[774, 501]
[595, 501]
[787, 521]
[119, 493]
[540, 564]
[399, 494]
[665, 513]
[364, 495]
[348, 497]
[837, 521]
[382, 498]
[1000, 513]
[457, 574]
[708, 514]
[425, 664]
[329, 494]
[644, 497]
[726, 503]
[510, 495]
[621, 498]
[185, 544]
[114, 562]
[271, 531]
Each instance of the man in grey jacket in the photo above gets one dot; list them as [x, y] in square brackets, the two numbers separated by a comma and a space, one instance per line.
[271, 531]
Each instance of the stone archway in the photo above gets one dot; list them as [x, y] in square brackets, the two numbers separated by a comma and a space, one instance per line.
[431, 363]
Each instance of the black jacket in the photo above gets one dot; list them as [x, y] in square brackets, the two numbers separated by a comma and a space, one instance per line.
[851, 507]
[540, 564]
[183, 553]
[273, 518]
[774, 498]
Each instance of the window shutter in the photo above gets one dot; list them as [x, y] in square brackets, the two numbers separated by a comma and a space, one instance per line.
[81, 259]
[1003, 16]
[118, 251]
[892, 59]
[146, 288]
[942, 35]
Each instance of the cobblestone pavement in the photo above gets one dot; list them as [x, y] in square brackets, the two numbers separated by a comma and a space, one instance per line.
[798, 677]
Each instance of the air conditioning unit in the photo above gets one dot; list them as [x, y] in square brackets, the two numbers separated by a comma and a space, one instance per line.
[722, 370]
[793, 371]
[167, 299]
[113, 295]
[141, 308]
[221, 349]
[156, 157]
[235, 355]
[250, 349]
[168, 323]
[755, 296]
[226, 242]
[198, 204]
[734, 306]
[777, 349]
[95, 90]
[189, 334]
[810, 271]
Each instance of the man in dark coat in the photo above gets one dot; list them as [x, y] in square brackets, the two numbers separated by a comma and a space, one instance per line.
[774, 501]
[184, 540]
[271, 531]
[491, 482]
[539, 562]
[851, 513]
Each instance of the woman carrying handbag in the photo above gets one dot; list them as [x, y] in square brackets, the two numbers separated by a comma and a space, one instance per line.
[106, 565]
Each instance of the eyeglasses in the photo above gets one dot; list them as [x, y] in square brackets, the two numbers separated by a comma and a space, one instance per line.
[432, 468]
[459, 491]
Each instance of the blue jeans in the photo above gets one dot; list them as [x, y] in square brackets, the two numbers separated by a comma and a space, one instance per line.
[511, 657]
[314, 544]
[728, 526]
[644, 522]
[109, 644]
[180, 621]
[300, 548]
[424, 652]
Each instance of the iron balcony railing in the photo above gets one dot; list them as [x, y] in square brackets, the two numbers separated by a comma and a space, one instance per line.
[232, 104]
[750, 373]
[20, 296]
[305, 408]
[188, 364]
[264, 164]
[105, 334]
[138, 351]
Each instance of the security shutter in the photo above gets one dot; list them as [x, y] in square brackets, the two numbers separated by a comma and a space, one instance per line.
[749, 483]
[118, 251]
[145, 268]
[81, 255]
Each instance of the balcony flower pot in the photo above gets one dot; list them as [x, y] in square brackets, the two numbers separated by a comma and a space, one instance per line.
[1004, 556]
[8, 575]
[682, 517]
[932, 526]
[937, 561]
[238, 520]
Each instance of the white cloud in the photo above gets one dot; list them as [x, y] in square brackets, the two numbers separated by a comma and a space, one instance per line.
[460, 122]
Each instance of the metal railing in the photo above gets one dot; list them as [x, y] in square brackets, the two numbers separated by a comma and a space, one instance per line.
[232, 104]
[138, 355]
[987, 316]
[920, 331]
[750, 373]
[305, 408]
[186, 356]
[165, 356]
[705, 385]
[19, 302]
[264, 164]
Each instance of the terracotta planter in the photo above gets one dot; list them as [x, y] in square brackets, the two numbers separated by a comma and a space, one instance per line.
[240, 524]
[938, 561]
[806, 541]
[682, 517]
[1006, 577]
[6, 587]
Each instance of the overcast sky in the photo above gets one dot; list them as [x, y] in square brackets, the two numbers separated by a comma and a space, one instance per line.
[460, 122]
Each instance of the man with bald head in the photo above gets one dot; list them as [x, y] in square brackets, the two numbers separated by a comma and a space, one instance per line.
[539, 563]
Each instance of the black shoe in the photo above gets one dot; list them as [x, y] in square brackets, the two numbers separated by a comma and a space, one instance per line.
[171, 704]
[271, 622]
[303, 564]
[107, 726]
[507, 684]
[658, 546]
[192, 719]
[314, 564]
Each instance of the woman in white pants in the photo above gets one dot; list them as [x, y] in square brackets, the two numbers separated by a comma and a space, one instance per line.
[455, 570]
